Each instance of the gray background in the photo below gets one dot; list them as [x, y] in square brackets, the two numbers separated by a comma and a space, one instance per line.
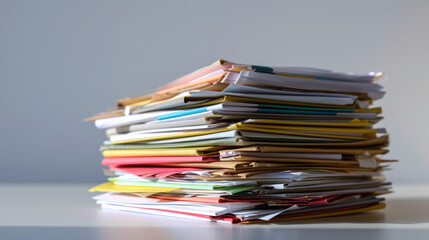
[62, 61]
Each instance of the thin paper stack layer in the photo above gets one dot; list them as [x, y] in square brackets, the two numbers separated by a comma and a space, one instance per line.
[242, 143]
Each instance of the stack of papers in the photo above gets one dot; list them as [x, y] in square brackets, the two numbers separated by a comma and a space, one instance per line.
[242, 143]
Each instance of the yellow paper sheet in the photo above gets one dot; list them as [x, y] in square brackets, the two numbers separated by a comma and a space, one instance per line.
[111, 187]
[195, 151]
[278, 131]
[240, 126]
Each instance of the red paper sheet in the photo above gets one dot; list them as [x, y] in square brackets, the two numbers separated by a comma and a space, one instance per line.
[231, 219]
[117, 161]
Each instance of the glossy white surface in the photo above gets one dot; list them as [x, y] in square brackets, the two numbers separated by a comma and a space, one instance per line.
[53, 210]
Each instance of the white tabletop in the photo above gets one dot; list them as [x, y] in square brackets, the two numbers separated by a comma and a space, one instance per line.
[66, 211]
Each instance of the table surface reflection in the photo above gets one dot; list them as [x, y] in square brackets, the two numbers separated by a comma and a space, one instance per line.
[66, 211]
